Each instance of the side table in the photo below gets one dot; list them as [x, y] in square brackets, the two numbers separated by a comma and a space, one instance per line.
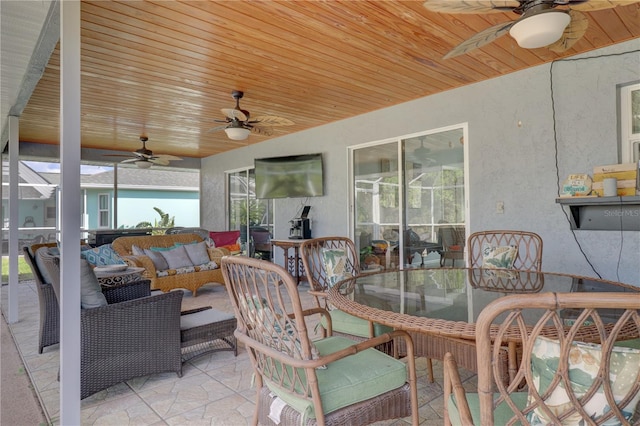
[114, 278]
[292, 263]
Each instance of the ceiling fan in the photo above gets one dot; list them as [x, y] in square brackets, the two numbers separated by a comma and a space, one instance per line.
[238, 122]
[421, 154]
[143, 158]
[557, 24]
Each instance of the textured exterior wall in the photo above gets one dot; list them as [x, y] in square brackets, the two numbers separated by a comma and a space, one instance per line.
[512, 156]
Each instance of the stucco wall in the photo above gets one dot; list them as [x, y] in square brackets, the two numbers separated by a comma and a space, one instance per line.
[512, 156]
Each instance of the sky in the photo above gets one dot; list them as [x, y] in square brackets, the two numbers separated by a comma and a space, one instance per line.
[43, 167]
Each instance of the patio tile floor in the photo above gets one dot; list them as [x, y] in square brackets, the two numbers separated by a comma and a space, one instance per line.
[215, 389]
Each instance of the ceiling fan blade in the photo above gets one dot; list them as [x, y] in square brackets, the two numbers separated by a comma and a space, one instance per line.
[264, 131]
[480, 39]
[574, 32]
[165, 157]
[131, 160]
[159, 161]
[272, 120]
[233, 113]
[116, 155]
[215, 129]
[470, 6]
[591, 5]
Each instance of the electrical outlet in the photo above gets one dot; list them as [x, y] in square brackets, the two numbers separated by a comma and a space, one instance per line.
[500, 207]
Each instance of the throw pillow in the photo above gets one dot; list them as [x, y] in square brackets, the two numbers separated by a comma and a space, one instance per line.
[501, 257]
[271, 328]
[233, 248]
[224, 238]
[198, 253]
[177, 257]
[158, 260]
[90, 292]
[335, 265]
[136, 251]
[210, 243]
[42, 251]
[584, 363]
[101, 256]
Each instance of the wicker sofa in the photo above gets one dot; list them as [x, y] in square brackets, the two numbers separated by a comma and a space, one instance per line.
[192, 280]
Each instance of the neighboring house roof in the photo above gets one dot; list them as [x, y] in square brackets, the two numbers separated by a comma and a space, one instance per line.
[39, 186]
[134, 178]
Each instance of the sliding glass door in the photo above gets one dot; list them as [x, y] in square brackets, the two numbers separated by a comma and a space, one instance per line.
[252, 216]
[405, 192]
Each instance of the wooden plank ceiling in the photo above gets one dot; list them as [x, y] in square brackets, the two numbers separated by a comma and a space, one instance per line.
[164, 69]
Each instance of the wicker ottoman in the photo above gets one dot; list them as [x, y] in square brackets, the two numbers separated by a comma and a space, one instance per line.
[206, 330]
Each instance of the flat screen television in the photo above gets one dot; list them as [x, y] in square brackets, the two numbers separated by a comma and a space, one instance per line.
[290, 176]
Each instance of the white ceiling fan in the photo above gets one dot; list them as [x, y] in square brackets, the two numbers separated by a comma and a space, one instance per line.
[239, 124]
[144, 158]
[554, 24]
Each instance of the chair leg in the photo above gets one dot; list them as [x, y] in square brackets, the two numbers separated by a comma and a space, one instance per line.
[430, 370]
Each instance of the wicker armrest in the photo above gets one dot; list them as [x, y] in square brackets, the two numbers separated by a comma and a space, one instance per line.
[129, 339]
[216, 253]
[327, 325]
[128, 291]
[142, 261]
[132, 261]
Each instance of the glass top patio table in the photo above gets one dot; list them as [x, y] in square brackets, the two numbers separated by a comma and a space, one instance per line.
[447, 301]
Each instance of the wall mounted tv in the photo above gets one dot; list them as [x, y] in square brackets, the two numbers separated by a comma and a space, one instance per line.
[290, 176]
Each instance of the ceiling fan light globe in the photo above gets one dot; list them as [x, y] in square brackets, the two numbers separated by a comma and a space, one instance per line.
[143, 164]
[540, 30]
[237, 133]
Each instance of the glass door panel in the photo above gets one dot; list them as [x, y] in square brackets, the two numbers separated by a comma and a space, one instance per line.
[252, 216]
[377, 204]
[433, 179]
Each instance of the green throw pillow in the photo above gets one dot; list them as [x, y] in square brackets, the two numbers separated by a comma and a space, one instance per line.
[335, 265]
[259, 312]
[501, 257]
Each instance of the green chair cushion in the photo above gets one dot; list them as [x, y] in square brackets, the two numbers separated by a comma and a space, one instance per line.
[343, 322]
[347, 381]
[633, 344]
[501, 415]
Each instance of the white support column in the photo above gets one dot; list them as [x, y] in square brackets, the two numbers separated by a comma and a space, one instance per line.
[70, 212]
[13, 220]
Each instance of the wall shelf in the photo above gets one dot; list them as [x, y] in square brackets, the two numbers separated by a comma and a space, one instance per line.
[603, 213]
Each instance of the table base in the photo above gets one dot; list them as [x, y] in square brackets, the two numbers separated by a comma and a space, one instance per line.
[464, 351]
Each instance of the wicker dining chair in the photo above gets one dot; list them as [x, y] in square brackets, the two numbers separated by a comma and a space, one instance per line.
[528, 245]
[581, 368]
[332, 380]
[526, 256]
[314, 261]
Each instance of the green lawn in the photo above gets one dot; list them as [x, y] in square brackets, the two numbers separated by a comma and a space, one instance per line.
[24, 272]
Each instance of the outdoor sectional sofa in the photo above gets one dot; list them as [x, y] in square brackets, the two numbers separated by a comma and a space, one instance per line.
[190, 278]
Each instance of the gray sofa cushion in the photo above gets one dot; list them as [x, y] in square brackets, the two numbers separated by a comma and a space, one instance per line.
[197, 253]
[90, 292]
[177, 257]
